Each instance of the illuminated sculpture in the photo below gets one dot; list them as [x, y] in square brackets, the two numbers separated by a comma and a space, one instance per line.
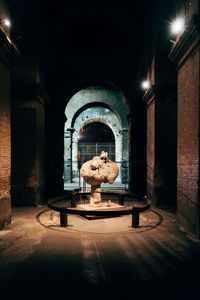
[96, 171]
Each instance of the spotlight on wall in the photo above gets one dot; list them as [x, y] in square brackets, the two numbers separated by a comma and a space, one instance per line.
[145, 84]
[177, 26]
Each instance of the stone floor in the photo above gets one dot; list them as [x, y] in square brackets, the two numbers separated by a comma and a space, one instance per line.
[98, 258]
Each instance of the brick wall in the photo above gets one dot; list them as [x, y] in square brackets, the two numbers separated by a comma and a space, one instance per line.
[165, 152]
[161, 149]
[5, 144]
[151, 150]
[188, 144]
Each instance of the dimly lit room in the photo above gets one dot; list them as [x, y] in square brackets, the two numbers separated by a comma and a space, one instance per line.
[99, 149]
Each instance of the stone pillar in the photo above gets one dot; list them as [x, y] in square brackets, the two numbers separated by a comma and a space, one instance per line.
[124, 163]
[186, 55]
[70, 155]
[8, 54]
[161, 146]
[134, 175]
[28, 112]
[28, 154]
[54, 150]
[67, 155]
[118, 153]
[137, 148]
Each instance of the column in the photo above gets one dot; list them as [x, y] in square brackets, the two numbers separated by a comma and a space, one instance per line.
[124, 163]
[161, 145]
[28, 154]
[54, 150]
[137, 148]
[68, 158]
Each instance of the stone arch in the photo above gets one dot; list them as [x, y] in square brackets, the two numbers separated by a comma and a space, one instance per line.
[95, 104]
[112, 98]
[100, 114]
[118, 145]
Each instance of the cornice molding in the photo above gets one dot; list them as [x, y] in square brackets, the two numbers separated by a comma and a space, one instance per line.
[8, 51]
[187, 42]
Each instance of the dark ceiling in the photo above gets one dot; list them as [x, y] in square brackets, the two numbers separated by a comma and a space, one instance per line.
[88, 41]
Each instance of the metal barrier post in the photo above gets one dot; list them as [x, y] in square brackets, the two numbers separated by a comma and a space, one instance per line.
[135, 219]
[121, 200]
[63, 219]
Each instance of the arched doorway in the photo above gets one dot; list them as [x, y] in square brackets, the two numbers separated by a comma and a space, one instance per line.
[94, 138]
[89, 106]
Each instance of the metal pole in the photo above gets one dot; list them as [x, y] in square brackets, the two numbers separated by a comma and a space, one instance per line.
[121, 200]
[63, 219]
[135, 219]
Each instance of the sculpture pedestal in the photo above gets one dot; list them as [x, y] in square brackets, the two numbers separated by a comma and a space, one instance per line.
[95, 197]
[101, 206]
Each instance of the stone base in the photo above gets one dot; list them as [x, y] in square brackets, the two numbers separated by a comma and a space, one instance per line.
[103, 205]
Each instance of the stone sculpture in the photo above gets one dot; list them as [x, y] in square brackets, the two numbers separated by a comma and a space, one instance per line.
[96, 171]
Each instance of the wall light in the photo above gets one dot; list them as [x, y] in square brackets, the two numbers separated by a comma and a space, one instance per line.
[177, 25]
[6, 22]
[145, 84]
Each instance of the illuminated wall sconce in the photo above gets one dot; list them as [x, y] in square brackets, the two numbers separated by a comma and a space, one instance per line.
[177, 25]
[5, 22]
[145, 84]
